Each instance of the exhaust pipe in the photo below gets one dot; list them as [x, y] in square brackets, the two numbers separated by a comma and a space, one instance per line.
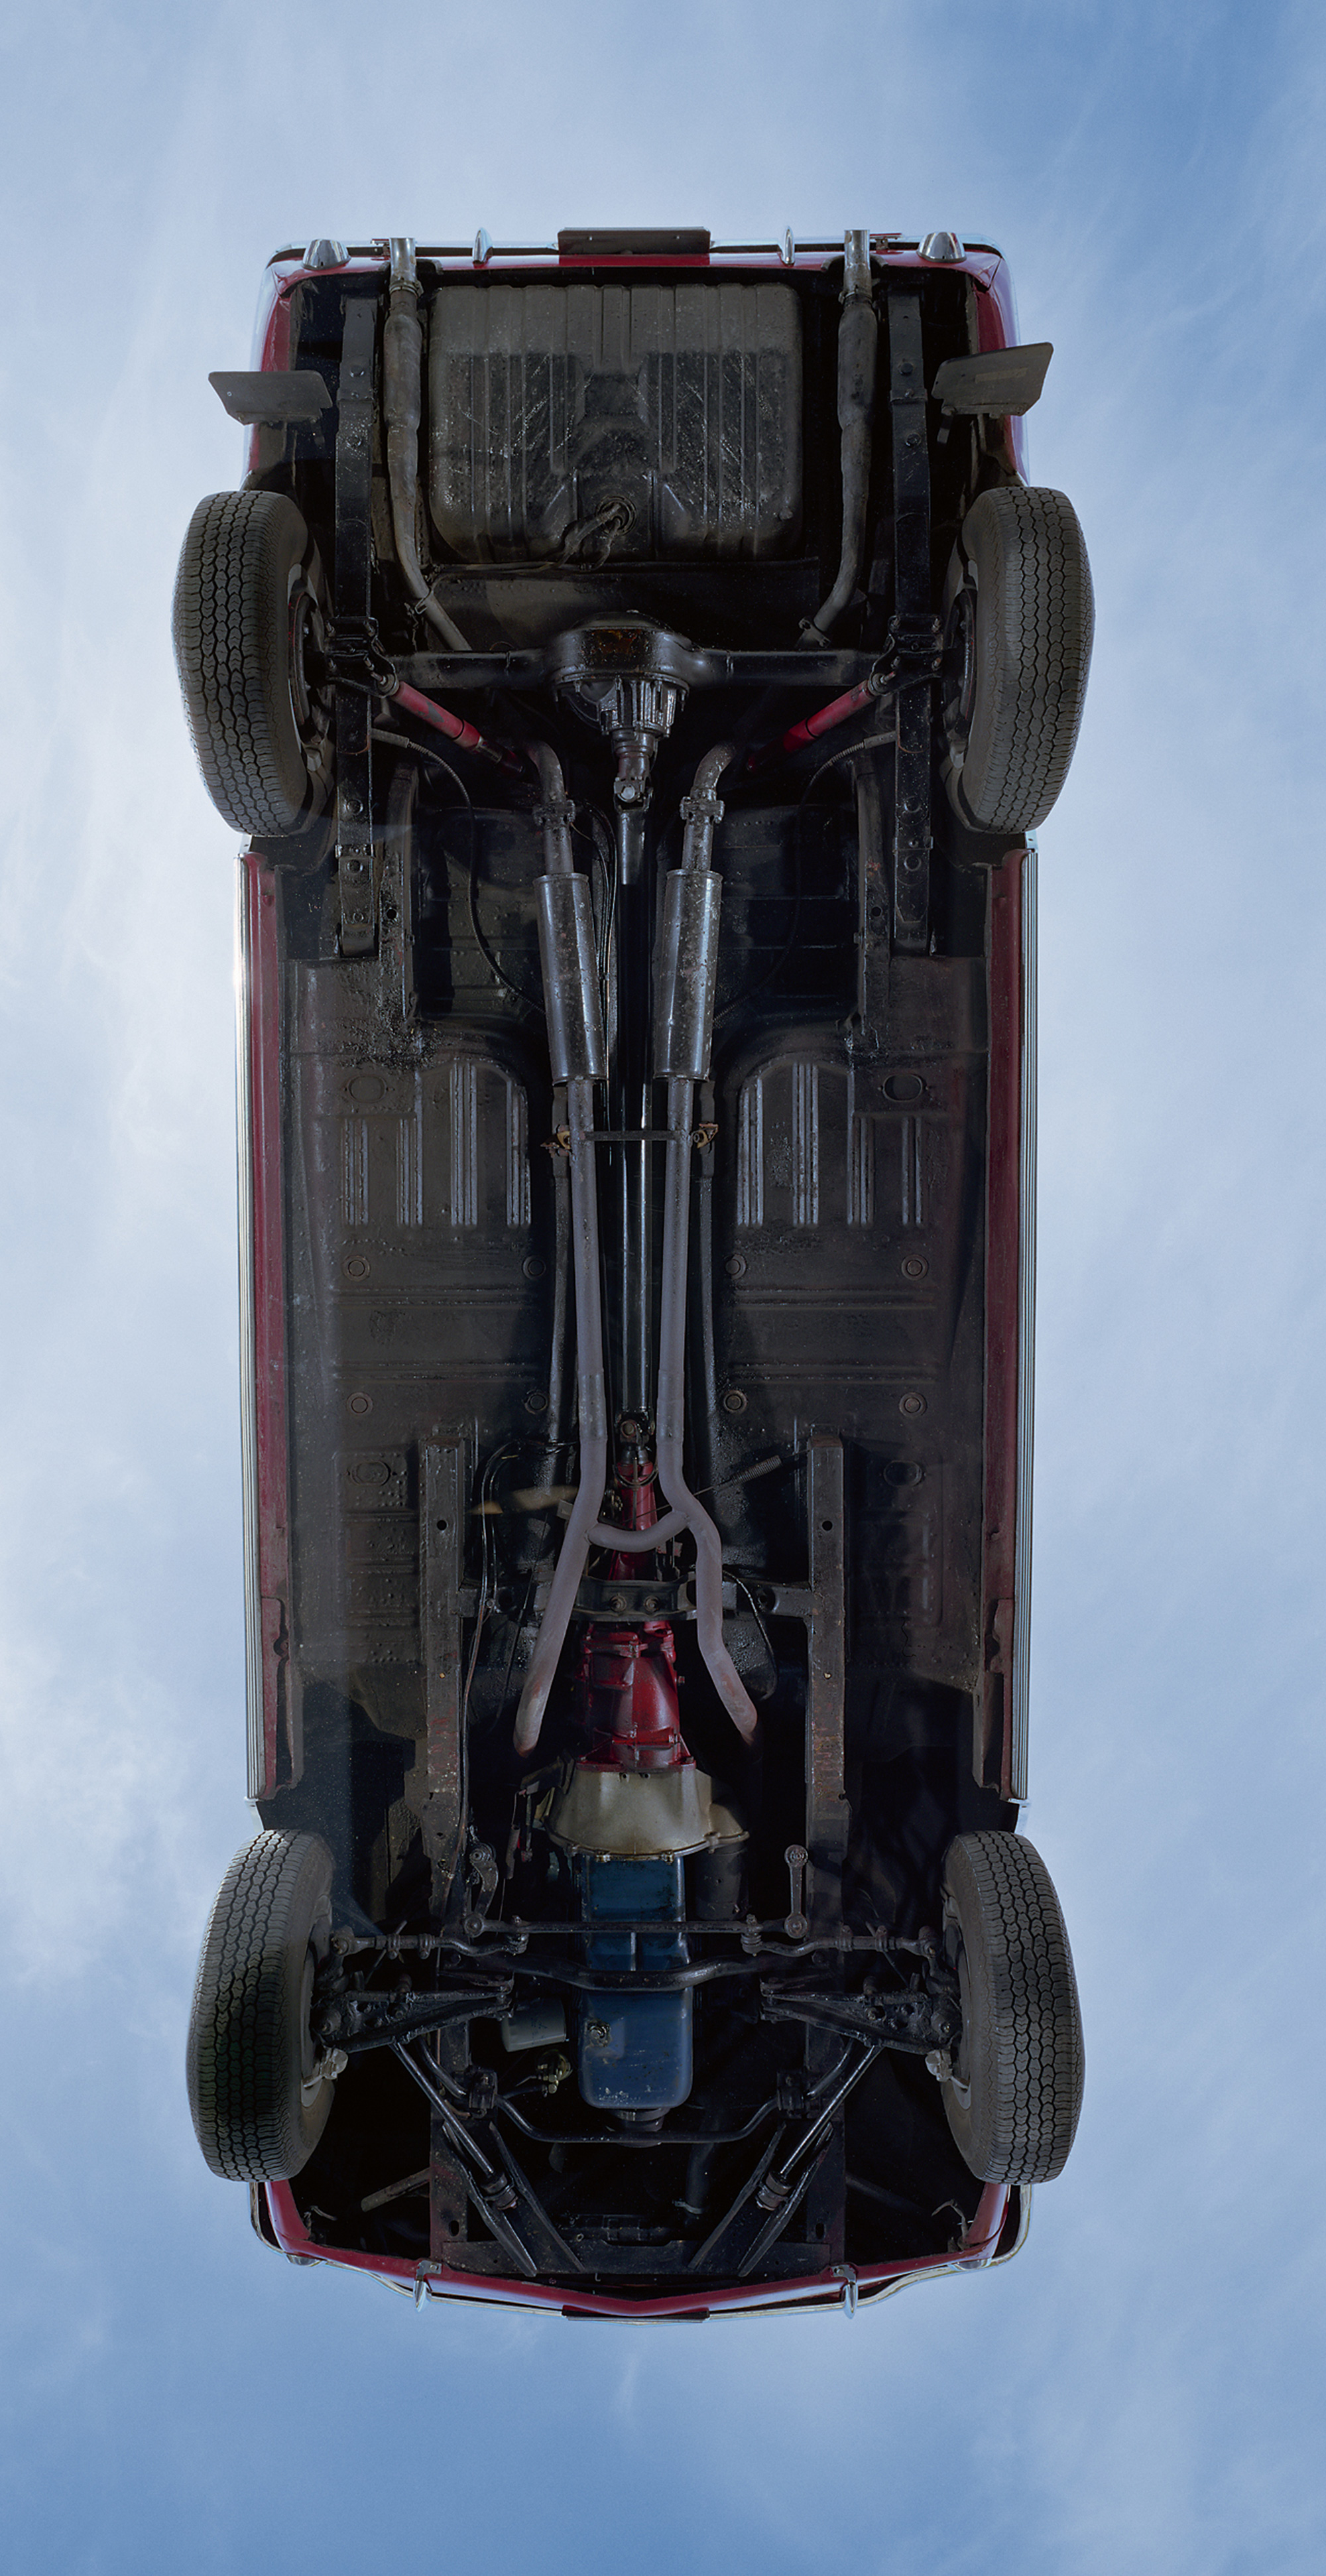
[684, 1027]
[579, 1059]
[684, 1010]
[683, 1037]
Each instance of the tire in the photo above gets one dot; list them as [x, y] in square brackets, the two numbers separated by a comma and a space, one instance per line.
[1018, 636]
[258, 2106]
[248, 620]
[1015, 2091]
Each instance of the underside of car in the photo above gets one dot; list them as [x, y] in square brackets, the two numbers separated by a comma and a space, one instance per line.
[636, 669]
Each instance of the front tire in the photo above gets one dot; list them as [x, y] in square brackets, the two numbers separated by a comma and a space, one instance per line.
[1019, 628]
[249, 635]
[256, 2091]
[1015, 2090]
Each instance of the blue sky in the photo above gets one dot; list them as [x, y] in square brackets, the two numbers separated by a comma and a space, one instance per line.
[1141, 2390]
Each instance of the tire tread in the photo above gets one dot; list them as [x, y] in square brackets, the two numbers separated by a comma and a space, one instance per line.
[246, 2108]
[1035, 623]
[1034, 2060]
[230, 648]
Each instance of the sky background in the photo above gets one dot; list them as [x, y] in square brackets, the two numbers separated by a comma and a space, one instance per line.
[1141, 2390]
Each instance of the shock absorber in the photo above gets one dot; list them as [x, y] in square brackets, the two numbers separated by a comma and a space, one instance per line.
[402, 374]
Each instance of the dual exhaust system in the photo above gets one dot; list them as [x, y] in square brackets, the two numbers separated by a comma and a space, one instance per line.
[684, 984]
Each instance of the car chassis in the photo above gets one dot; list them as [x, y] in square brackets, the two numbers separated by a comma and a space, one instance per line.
[636, 1315]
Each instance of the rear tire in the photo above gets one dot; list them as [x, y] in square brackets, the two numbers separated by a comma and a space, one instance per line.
[1020, 623]
[259, 2105]
[1015, 2091]
[248, 627]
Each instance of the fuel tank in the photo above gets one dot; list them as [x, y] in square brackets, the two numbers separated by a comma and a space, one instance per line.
[570, 421]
